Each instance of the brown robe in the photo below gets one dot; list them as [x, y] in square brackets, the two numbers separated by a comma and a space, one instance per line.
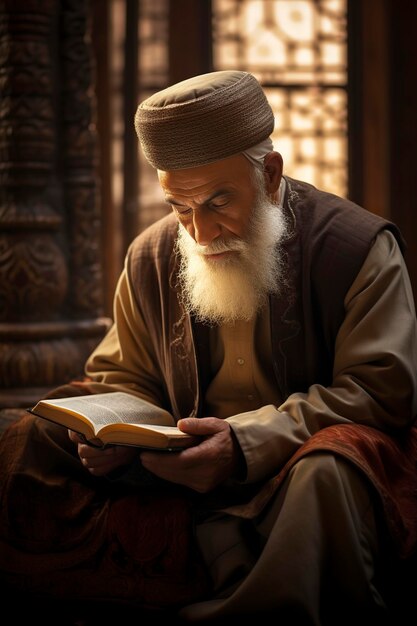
[60, 530]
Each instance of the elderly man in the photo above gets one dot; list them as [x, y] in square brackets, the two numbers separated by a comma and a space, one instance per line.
[276, 322]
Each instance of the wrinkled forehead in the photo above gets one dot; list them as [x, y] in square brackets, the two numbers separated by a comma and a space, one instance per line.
[230, 173]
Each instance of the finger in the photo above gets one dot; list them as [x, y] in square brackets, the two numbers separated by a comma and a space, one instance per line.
[110, 457]
[161, 462]
[75, 437]
[90, 452]
[202, 425]
[104, 463]
[98, 470]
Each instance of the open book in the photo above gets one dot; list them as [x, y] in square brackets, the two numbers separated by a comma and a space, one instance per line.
[115, 418]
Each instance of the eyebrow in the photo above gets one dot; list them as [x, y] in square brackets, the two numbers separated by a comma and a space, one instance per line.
[216, 194]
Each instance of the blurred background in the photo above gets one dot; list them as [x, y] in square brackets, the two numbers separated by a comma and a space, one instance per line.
[75, 189]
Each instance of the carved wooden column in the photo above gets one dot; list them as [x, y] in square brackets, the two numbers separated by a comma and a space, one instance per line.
[51, 300]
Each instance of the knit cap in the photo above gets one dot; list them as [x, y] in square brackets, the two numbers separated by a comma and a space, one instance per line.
[203, 119]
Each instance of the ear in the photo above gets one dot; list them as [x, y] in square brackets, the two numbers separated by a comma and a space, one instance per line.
[273, 171]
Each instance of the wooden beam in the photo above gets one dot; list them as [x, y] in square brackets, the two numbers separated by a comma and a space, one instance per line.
[190, 39]
[111, 220]
[403, 125]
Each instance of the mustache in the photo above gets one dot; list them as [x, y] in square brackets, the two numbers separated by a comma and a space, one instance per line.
[219, 245]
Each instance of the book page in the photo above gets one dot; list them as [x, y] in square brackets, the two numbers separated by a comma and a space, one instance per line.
[154, 436]
[114, 407]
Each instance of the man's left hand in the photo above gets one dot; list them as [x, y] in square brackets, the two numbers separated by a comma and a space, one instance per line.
[204, 466]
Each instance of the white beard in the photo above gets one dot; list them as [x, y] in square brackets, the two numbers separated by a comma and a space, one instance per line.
[234, 288]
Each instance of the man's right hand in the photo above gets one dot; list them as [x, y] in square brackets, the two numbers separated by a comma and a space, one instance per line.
[102, 461]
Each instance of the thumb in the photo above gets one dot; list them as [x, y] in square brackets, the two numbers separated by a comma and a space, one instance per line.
[188, 424]
[201, 425]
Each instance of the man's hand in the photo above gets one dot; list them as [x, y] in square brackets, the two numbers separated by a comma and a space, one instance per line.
[201, 467]
[101, 462]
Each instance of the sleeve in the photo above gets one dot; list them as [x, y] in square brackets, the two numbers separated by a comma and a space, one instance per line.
[374, 374]
[124, 359]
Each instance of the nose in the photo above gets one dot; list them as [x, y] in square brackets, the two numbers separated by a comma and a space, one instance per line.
[205, 227]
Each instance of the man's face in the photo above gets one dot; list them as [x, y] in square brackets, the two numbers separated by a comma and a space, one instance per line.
[212, 201]
[227, 241]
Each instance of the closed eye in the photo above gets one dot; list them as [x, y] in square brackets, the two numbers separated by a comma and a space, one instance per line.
[182, 210]
[219, 202]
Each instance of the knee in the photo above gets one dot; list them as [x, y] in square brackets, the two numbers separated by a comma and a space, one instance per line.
[325, 467]
[331, 476]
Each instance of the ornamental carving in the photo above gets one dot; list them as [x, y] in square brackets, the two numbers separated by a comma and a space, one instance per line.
[33, 278]
[51, 298]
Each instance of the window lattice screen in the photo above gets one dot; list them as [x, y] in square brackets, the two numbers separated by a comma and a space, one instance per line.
[298, 51]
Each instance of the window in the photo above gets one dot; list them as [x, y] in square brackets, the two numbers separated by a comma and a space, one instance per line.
[298, 51]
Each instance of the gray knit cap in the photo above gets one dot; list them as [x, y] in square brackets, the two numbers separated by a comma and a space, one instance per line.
[203, 119]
